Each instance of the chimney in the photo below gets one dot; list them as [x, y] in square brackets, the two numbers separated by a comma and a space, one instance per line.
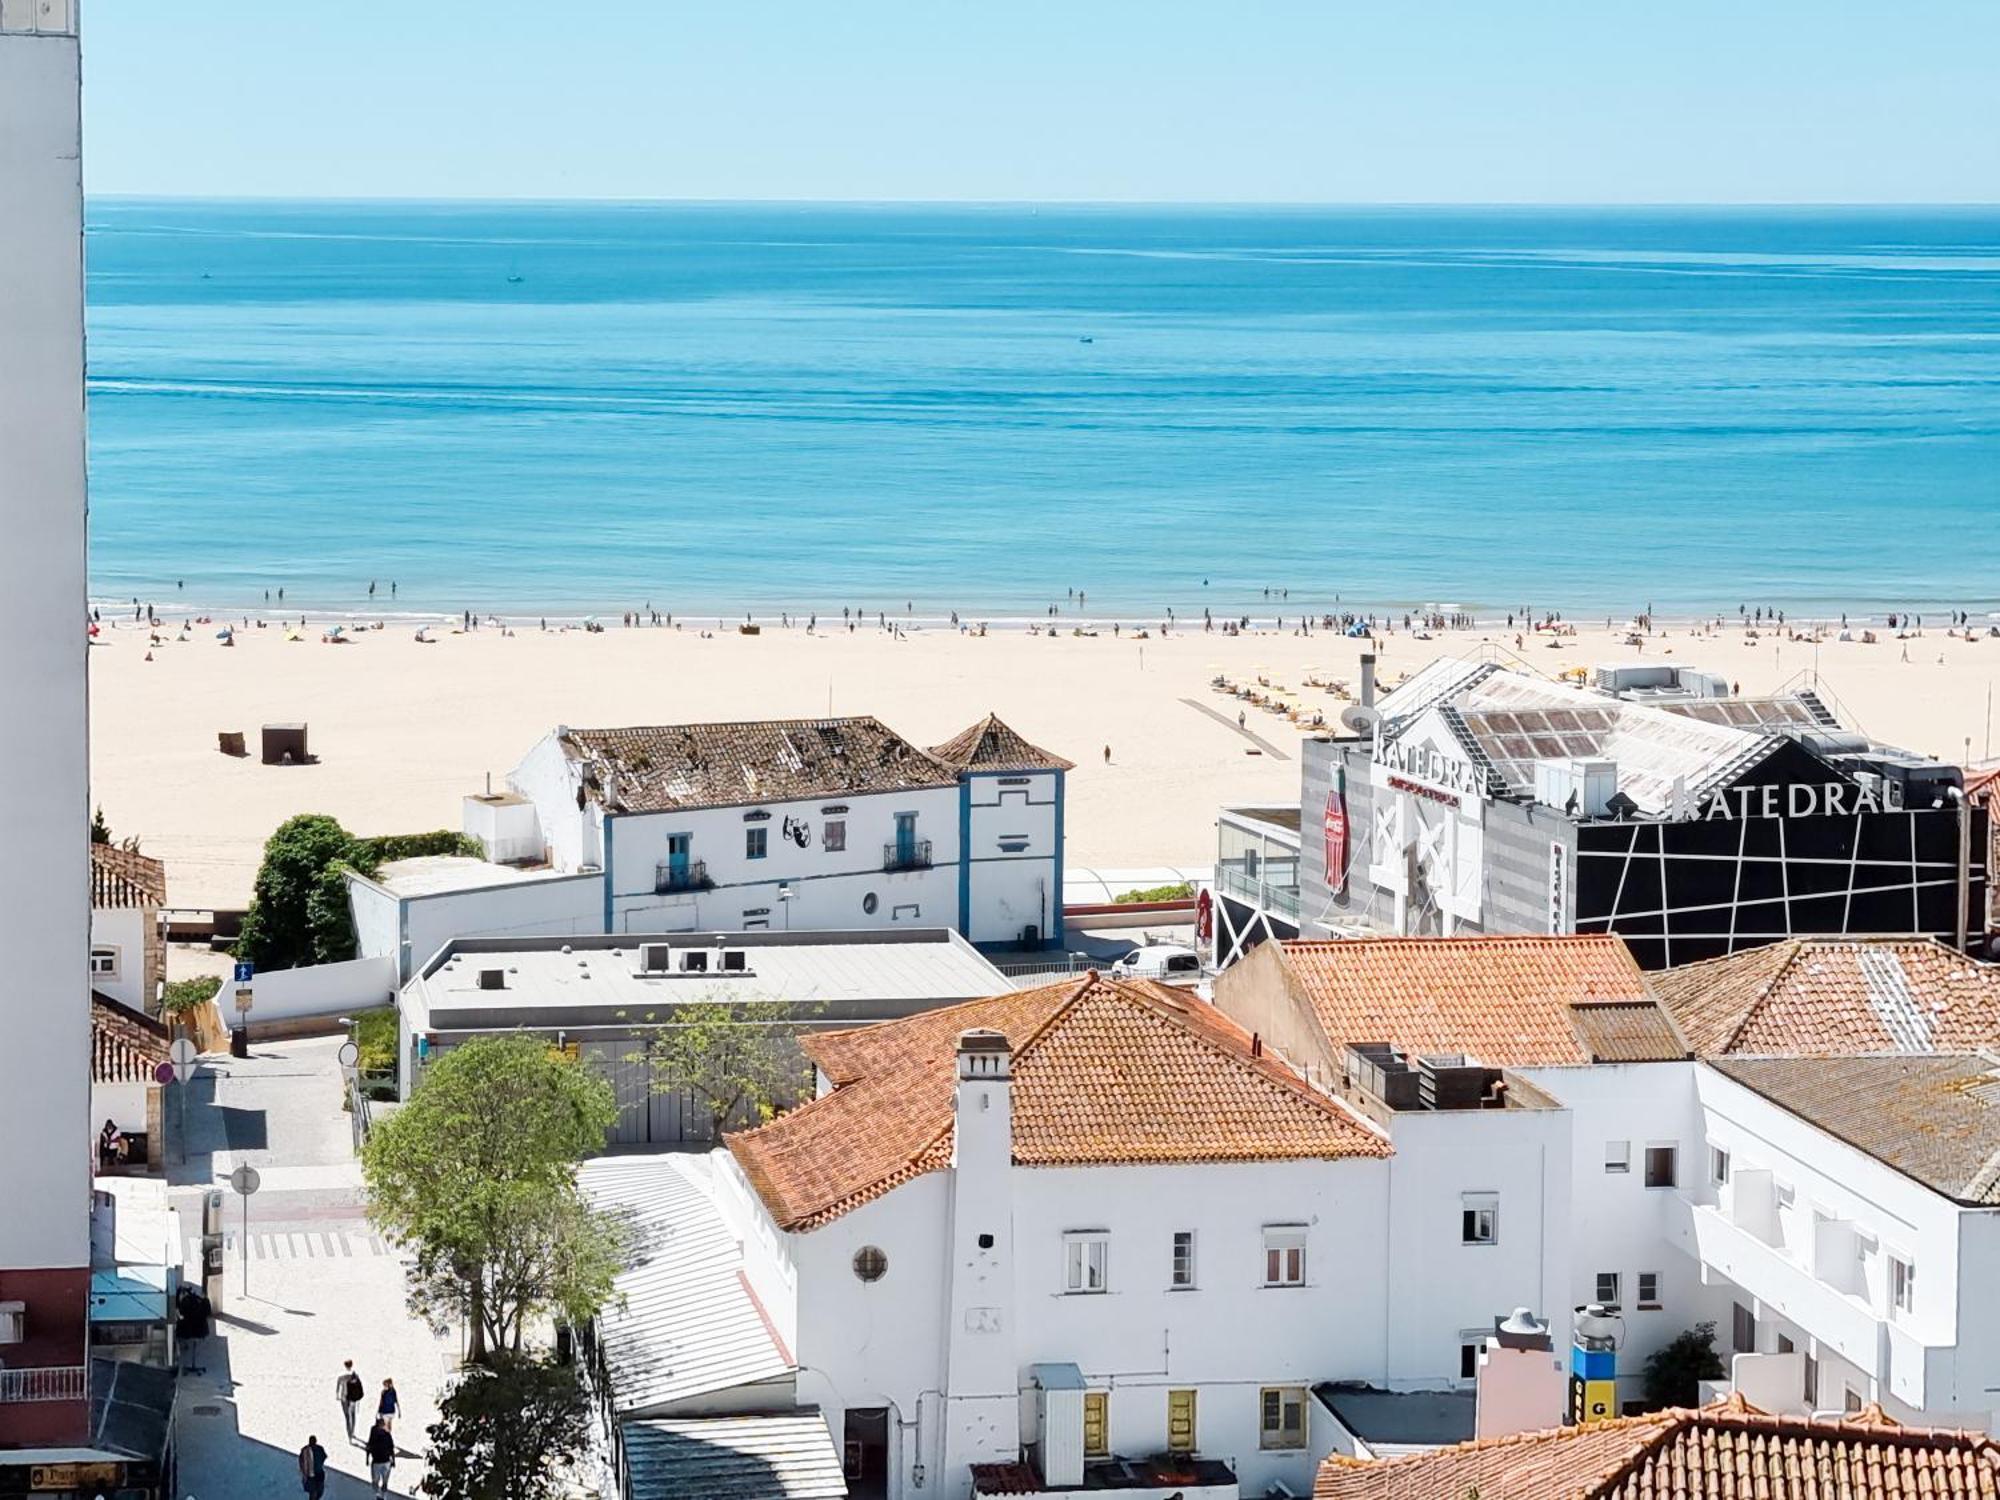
[982, 1372]
[1368, 679]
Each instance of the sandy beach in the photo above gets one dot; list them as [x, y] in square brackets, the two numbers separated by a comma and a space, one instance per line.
[403, 730]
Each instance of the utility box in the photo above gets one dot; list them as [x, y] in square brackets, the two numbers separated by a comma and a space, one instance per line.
[284, 744]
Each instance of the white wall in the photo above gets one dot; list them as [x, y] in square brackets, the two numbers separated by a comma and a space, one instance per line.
[548, 778]
[1014, 838]
[1442, 1292]
[44, 754]
[122, 1102]
[123, 928]
[828, 887]
[410, 930]
[318, 990]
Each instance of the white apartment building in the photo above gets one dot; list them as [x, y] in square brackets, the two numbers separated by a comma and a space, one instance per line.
[769, 825]
[45, 1193]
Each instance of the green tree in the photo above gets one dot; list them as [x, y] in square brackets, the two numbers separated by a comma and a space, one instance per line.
[511, 1431]
[477, 1176]
[100, 831]
[279, 930]
[743, 1067]
[1675, 1371]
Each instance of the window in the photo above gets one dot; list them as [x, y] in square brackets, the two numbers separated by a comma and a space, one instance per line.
[1285, 1255]
[1852, 1401]
[1617, 1156]
[1468, 1361]
[1479, 1219]
[1607, 1288]
[1902, 1284]
[870, 1263]
[103, 963]
[1084, 1257]
[1097, 1424]
[1812, 1382]
[756, 842]
[1183, 1273]
[1663, 1166]
[1649, 1291]
[1180, 1422]
[1718, 1165]
[834, 835]
[1282, 1417]
[1742, 1329]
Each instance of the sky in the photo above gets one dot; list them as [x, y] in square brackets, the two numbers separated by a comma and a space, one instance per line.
[1306, 101]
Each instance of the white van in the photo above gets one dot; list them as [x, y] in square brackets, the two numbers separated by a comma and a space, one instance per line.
[1159, 961]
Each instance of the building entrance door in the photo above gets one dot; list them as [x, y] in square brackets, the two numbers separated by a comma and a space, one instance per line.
[866, 1453]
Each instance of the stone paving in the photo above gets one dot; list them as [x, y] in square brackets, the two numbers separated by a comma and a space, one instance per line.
[318, 1287]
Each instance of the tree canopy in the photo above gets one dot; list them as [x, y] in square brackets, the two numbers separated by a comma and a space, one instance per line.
[477, 1176]
[743, 1067]
[1675, 1371]
[298, 907]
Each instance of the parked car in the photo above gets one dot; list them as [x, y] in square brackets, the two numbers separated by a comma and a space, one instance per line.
[1160, 961]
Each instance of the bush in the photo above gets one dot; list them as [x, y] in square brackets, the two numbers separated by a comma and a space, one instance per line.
[1181, 891]
[1676, 1370]
[509, 1432]
[375, 1041]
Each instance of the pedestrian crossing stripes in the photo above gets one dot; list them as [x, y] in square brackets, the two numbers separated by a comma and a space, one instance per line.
[296, 1244]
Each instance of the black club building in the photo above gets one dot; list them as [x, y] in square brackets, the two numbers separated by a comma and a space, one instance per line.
[1483, 798]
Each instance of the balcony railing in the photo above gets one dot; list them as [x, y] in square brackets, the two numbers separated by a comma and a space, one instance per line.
[914, 854]
[45, 1383]
[1280, 900]
[690, 876]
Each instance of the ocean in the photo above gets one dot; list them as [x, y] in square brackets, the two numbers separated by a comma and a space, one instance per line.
[567, 409]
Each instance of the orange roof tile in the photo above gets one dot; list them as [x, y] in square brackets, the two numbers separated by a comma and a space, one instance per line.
[1105, 1072]
[991, 745]
[1834, 996]
[1725, 1452]
[1503, 1001]
[126, 1046]
[125, 877]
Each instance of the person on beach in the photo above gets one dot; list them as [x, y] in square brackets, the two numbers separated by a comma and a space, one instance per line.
[349, 1392]
[312, 1468]
[381, 1458]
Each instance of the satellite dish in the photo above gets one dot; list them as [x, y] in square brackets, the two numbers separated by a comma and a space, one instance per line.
[1360, 719]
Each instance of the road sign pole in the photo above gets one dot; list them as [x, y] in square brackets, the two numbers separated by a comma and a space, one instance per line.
[245, 1247]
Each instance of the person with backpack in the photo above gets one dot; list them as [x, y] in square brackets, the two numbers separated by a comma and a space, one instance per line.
[349, 1392]
[381, 1457]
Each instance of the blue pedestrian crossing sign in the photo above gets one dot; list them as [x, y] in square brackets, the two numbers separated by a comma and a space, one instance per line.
[245, 972]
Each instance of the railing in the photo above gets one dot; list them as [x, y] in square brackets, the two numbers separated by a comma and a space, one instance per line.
[45, 1383]
[912, 855]
[691, 876]
[1280, 899]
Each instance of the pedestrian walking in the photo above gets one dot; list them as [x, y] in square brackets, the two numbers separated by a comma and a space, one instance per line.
[312, 1469]
[381, 1457]
[387, 1406]
[350, 1393]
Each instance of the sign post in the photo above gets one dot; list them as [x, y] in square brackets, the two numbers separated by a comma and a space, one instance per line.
[244, 1181]
[239, 1039]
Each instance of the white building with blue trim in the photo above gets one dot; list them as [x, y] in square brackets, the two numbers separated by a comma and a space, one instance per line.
[767, 825]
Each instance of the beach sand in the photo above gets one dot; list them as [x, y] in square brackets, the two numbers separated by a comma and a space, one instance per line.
[403, 731]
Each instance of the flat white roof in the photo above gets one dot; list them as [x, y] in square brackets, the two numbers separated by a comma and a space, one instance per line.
[928, 965]
[439, 874]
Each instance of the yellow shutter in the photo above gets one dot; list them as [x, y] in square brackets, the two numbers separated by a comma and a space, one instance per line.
[1096, 1422]
[1180, 1421]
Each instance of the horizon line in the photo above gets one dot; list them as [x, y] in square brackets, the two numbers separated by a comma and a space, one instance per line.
[1406, 205]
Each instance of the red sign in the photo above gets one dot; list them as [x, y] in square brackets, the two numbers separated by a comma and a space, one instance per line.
[1336, 841]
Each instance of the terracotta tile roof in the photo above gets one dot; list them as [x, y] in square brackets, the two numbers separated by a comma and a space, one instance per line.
[1828, 996]
[1935, 1118]
[670, 766]
[1105, 1072]
[1507, 1002]
[1725, 1452]
[990, 745]
[125, 877]
[125, 1046]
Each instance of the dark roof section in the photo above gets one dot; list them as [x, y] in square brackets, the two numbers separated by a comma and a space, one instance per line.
[125, 1046]
[670, 766]
[1618, 1031]
[125, 877]
[990, 745]
[1399, 1419]
[1935, 1118]
[131, 1407]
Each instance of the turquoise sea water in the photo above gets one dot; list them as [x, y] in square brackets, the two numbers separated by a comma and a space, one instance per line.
[581, 408]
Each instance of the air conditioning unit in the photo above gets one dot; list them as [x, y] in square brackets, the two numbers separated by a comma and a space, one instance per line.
[694, 961]
[656, 958]
[735, 961]
[13, 1322]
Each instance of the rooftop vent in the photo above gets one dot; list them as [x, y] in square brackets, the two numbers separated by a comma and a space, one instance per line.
[735, 961]
[493, 979]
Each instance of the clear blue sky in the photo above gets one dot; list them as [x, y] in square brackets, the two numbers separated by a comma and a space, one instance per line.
[1161, 100]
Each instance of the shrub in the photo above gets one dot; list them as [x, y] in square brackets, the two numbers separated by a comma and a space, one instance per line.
[1180, 891]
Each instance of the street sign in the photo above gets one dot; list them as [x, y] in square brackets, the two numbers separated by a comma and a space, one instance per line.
[183, 1053]
[242, 997]
[349, 1054]
[166, 1072]
[244, 1180]
[245, 972]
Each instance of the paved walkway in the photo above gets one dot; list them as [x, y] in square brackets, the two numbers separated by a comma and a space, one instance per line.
[1228, 723]
[317, 1286]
